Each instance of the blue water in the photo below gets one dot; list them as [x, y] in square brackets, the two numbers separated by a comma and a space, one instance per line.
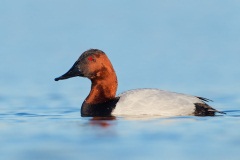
[183, 46]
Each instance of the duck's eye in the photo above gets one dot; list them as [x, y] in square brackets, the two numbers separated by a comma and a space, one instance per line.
[90, 58]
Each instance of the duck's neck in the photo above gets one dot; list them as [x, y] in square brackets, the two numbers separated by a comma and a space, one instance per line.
[103, 90]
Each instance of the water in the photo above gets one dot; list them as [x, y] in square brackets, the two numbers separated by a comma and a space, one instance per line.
[182, 46]
[65, 135]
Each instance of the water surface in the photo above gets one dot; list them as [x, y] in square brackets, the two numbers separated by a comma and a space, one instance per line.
[63, 134]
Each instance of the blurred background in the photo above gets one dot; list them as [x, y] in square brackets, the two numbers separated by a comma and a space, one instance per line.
[183, 46]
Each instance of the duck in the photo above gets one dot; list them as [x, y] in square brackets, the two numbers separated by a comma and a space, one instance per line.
[102, 101]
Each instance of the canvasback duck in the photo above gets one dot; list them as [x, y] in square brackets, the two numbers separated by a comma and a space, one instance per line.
[103, 102]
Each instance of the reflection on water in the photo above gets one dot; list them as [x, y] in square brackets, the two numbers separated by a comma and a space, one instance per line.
[101, 121]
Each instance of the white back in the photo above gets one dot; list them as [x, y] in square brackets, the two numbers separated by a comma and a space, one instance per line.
[155, 102]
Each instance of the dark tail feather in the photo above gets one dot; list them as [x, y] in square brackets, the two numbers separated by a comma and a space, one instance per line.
[202, 109]
[205, 99]
[209, 109]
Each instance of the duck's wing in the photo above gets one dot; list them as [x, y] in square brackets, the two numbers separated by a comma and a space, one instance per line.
[155, 102]
[160, 102]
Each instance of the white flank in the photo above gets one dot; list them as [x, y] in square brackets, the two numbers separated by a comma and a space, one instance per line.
[155, 102]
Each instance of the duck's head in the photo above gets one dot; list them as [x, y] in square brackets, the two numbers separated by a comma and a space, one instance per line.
[93, 64]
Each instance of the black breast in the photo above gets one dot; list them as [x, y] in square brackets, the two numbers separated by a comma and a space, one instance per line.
[99, 110]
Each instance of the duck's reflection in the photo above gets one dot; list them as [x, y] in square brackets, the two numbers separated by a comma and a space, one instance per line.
[101, 121]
